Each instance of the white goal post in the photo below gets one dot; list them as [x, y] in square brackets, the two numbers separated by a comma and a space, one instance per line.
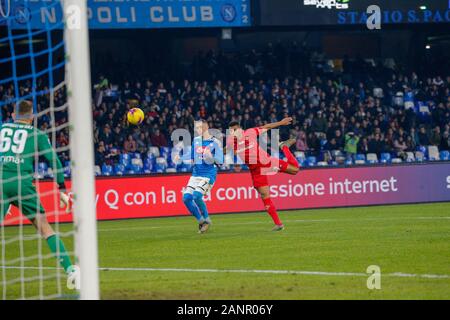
[82, 147]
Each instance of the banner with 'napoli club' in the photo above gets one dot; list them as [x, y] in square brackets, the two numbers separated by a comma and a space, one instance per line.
[157, 196]
[131, 14]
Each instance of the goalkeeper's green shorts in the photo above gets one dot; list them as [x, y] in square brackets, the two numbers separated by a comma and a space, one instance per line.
[21, 194]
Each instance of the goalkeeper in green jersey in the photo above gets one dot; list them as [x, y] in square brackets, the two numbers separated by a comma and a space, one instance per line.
[20, 145]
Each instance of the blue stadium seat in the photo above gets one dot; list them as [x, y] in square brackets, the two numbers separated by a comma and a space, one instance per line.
[42, 170]
[171, 164]
[134, 169]
[423, 149]
[311, 161]
[360, 157]
[43, 166]
[137, 169]
[444, 155]
[119, 169]
[164, 152]
[151, 156]
[187, 165]
[301, 161]
[136, 162]
[385, 158]
[148, 165]
[160, 165]
[107, 170]
[125, 159]
[67, 171]
[184, 168]
[150, 159]
[348, 162]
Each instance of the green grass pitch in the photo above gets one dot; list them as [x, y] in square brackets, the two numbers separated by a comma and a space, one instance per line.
[322, 254]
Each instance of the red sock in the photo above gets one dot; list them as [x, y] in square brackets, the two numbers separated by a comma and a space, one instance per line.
[270, 208]
[290, 157]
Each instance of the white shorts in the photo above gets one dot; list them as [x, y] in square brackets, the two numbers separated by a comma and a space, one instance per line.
[199, 184]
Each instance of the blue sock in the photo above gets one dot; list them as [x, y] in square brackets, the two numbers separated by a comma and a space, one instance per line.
[188, 200]
[198, 198]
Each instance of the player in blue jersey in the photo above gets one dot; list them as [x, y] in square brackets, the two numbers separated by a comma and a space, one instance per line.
[206, 154]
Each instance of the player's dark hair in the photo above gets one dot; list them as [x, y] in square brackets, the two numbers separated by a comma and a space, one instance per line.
[234, 124]
[24, 108]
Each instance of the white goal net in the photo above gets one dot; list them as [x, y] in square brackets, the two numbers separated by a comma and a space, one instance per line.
[47, 217]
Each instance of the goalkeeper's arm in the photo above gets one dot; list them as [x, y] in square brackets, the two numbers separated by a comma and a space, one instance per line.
[46, 150]
[49, 154]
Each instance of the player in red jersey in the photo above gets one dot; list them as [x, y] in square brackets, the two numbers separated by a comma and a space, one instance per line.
[261, 164]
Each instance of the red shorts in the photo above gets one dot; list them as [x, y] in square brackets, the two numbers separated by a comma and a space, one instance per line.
[261, 172]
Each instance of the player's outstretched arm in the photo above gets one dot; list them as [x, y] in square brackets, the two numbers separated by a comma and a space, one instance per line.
[285, 122]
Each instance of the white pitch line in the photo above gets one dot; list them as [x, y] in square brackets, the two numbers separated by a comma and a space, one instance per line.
[287, 222]
[264, 222]
[297, 272]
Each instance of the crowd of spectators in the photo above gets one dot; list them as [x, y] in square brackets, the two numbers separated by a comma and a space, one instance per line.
[395, 116]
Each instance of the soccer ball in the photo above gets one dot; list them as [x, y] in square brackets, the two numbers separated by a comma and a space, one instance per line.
[135, 116]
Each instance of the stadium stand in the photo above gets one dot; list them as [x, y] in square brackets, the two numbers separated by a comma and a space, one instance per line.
[396, 117]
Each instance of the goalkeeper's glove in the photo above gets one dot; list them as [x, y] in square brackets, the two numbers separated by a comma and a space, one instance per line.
[9, 213]
[64, 199]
